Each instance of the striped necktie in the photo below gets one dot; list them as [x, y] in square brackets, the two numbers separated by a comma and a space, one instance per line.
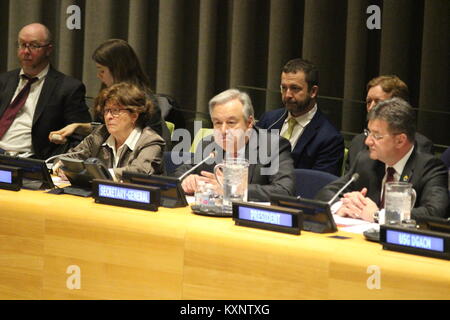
[19, 101]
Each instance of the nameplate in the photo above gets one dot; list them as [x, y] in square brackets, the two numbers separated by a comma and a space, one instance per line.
[126, 194]
[10, 178]
[272, 218]
[415, 241]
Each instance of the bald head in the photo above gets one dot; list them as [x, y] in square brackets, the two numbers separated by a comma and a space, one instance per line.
[37, 30]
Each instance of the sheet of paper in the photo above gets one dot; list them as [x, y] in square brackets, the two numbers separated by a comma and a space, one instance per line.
[354, 225]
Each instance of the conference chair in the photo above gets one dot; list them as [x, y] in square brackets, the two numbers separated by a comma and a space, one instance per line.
[171, 110]
[170, 159]
[203, 132]
[170, 126]
[344, 161]
[445, 157]
[308, 182]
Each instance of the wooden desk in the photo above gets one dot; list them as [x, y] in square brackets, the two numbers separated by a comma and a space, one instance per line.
[173, 254]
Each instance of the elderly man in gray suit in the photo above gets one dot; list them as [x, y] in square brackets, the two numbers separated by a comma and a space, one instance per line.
[271, 167]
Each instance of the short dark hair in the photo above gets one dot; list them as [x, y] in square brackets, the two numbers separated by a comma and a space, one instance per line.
[309, 69]
[398, 114]
[391, 84]
[127, 95]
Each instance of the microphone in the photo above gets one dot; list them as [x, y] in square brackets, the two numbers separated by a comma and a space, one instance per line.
[61, 155]
[211, 155]
[354, 177]
[282, 116]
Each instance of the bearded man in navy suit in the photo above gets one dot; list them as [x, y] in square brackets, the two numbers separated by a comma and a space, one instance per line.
[316, 143]
[54, 100]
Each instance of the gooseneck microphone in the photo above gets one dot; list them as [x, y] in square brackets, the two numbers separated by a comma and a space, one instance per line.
[211, 155]
[354, 177]
[281, 117]
[62, 155]
[50, 165]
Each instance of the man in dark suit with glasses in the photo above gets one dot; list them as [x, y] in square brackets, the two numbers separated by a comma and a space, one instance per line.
[391, 156]
[37, 99]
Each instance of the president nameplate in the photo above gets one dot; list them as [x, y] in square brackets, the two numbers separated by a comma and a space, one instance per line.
[126, 194]
[415, 241]
[274, 218]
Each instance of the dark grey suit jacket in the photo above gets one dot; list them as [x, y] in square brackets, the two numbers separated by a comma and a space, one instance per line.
[358, 143]
[260, 186]
[61, 102]
[427, 174]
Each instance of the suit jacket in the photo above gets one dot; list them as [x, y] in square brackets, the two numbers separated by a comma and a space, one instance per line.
[358, 143]
[427, 174]
[320, 147]
[260, 185]
[60, 103]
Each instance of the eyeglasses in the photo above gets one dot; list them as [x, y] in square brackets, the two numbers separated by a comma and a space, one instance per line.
[31, 46]
[114, 112]
[376, 136]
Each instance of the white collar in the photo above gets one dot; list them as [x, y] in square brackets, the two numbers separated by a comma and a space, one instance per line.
[400, 165]
[40, 75]
[130, 142]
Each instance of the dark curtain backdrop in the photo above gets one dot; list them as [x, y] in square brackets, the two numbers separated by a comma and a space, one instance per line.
[193, 49]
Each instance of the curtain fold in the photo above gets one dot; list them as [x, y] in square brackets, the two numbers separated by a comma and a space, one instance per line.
[194, 49]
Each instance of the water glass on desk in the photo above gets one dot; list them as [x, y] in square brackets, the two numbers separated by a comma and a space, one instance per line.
[234, 181]
[399, 201]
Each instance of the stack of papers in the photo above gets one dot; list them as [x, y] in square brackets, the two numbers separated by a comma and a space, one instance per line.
[354, 225]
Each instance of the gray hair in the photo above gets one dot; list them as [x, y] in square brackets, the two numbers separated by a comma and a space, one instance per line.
[398, 114]
[232, 94]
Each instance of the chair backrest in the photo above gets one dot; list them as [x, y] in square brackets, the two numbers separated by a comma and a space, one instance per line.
[203, 132]
[171, 110]
[172, 160]
[170, 126]
[445, 157]
[308, 182]
[344, 161]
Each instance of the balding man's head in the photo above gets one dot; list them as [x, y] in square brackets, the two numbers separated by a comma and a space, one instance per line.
[38, 30]
[34, 48]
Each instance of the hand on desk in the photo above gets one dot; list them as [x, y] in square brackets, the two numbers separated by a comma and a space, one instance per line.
[357, 205]
[190, 183]
[57, 171]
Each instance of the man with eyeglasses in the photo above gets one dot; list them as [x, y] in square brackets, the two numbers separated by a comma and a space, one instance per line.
[315, 142]
[37, 99]
[379, 89]
[391, 156]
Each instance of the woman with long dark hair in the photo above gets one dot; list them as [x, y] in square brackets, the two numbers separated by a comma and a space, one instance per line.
[117, 62]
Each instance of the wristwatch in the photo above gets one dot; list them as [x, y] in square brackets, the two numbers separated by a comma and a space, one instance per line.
[376, 216]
